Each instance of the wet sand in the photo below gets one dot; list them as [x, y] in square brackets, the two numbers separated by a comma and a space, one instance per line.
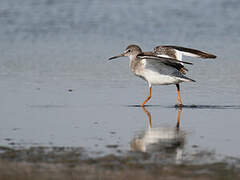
[70, 163]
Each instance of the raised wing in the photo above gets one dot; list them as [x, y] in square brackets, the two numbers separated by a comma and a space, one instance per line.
[150, 55]
[179, 51]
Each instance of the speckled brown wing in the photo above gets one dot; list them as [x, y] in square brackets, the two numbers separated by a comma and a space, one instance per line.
[169, 50]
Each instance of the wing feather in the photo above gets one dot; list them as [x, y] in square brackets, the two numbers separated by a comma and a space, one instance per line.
[192, 52]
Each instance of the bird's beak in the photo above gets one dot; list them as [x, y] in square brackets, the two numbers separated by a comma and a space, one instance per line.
[114, 57]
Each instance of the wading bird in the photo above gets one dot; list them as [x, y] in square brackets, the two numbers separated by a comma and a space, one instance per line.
[163, 66]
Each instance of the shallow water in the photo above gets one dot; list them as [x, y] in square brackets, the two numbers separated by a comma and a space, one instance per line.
[58, 89]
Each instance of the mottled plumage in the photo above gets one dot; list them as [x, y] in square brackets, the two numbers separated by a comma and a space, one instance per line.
[159, 67]
[177, 52]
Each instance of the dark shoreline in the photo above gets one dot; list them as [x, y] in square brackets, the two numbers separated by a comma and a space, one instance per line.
[74, 163]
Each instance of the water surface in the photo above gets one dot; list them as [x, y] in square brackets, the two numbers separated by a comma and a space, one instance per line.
[58, 89]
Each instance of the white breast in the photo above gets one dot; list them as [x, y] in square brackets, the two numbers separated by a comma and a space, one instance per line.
[154, 78]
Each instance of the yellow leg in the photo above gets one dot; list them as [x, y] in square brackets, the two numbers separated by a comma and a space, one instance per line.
[179, 95]
[149, 96]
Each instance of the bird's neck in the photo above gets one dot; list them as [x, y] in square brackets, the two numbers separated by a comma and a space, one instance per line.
[132, 57]
[133, 63]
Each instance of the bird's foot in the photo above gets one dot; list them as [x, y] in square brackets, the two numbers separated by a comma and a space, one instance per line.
[179, 105]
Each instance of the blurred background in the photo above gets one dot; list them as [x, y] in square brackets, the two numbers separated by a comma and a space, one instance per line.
[60, 37]
[57, 87]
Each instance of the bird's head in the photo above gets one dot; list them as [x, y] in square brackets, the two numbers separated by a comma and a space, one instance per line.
[131, 50]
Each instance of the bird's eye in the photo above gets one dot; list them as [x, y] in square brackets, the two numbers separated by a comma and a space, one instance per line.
[129, 51]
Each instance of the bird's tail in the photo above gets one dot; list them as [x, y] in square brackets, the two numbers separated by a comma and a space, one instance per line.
[186, 79]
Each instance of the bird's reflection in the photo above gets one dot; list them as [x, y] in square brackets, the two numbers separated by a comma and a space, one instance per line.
[166, 141]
